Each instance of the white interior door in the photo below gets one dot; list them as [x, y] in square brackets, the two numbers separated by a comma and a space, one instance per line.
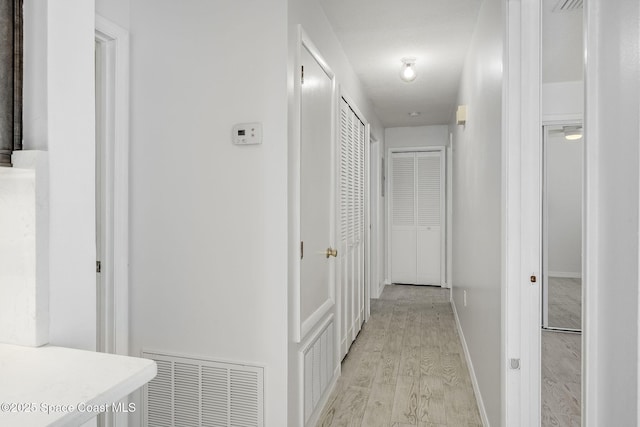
[351, 252]
[417, 215]
[403, 218]
[316, 194]
[428, 218]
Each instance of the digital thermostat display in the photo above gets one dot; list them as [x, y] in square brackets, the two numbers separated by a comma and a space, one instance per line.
[247, 134]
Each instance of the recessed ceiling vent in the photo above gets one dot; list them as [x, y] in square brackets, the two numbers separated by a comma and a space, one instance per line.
[568, 5]
[190, 392]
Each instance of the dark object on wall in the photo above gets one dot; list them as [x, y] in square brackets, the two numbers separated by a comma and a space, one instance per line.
[10, 79]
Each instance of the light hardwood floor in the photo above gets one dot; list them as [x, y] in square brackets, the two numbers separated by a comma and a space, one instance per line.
[565, 303]
[561, 379]
[406, 368]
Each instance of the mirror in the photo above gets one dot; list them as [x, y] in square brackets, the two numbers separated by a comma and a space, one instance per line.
[562, 227]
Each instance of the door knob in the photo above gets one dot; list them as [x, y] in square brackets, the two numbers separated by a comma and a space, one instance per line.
[332, 252]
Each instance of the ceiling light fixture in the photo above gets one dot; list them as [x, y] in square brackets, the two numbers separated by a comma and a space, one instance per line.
[415, 113]
[572, 133]
[408, 70]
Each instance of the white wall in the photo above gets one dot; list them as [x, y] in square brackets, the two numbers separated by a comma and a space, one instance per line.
[477, 204]
[416, 136]
[564, 204]
[208, 226]
[59, 117]
[612, 196]
[562, 100]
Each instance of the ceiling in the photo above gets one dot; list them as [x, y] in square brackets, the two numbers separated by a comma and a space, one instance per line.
[376, 34]
[562, 46]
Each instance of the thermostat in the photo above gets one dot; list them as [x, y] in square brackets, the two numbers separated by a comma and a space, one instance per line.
[247, 134]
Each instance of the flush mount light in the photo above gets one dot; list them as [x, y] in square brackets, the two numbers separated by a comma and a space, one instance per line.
[572, 133]
[408, 70]
[415, 113]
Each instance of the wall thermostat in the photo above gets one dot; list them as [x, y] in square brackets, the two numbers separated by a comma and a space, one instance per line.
[247, 134]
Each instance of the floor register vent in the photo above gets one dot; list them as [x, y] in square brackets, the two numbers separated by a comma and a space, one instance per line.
[192, 392]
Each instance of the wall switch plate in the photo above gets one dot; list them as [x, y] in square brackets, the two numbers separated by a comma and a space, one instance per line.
[247, 134]
[464, 298]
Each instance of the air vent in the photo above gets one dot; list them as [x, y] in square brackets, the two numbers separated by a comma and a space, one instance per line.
[192, 392]
[568, 5]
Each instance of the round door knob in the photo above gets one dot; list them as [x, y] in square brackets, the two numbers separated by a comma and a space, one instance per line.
[332, 252]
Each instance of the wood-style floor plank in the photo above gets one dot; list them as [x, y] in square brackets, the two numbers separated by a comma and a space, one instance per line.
[398, 369]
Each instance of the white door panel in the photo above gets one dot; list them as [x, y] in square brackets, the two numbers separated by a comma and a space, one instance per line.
[428, 255]
[417, 190]
[351, 186]
[316, 207]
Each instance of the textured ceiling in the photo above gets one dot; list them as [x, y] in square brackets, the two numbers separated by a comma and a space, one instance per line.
[376, 34]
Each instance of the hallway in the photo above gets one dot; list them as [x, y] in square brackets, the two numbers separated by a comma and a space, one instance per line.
[406, 368]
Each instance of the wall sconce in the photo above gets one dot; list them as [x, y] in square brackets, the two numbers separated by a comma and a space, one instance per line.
[408, 70]
[461, 115]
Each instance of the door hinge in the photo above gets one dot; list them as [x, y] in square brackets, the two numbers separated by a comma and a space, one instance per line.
[301, 250]
[98, 267]
[302, 74]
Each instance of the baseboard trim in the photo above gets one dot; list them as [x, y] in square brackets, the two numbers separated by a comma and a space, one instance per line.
[565, 274]
[472, 372]
[315, 417]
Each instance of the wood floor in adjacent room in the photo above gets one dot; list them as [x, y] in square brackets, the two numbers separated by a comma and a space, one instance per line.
[406, 368]
[561, 379]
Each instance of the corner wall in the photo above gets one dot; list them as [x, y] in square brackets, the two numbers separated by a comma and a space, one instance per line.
[477, 204]
[208, 225]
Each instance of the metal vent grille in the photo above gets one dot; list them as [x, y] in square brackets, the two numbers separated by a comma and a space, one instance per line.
[568, 5]
[191, 392]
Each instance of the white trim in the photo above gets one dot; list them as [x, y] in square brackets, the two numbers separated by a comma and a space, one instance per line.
[472, 372]
[114, 48]
[443, 206]
[310, 322]
[304, 42]
[565, 274]
[313, 420]
[115, 43]
[302, 349]
[521, 216]
[449, 195]
[590, 212]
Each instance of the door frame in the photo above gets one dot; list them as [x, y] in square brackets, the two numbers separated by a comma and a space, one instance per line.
[444, 198]
[521, 222]
[375, 151]
[114, 50]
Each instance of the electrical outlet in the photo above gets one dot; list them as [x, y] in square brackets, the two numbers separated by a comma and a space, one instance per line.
[464, 298]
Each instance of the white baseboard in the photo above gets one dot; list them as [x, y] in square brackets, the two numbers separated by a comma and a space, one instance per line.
[565, 274]
[472, 372]
[315, 417]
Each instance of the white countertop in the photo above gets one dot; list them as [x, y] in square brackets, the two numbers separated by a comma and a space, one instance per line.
[72, 385]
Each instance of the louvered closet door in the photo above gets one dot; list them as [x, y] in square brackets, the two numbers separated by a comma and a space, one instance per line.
[416, 218]
[428, 208]
[403, 218]
[350, 280]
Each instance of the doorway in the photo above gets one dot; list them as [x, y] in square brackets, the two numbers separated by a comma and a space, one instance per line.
[112, 194]
[416, 217]
[562, 227]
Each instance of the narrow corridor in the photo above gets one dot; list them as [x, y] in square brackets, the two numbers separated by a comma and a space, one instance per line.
[406, 368]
